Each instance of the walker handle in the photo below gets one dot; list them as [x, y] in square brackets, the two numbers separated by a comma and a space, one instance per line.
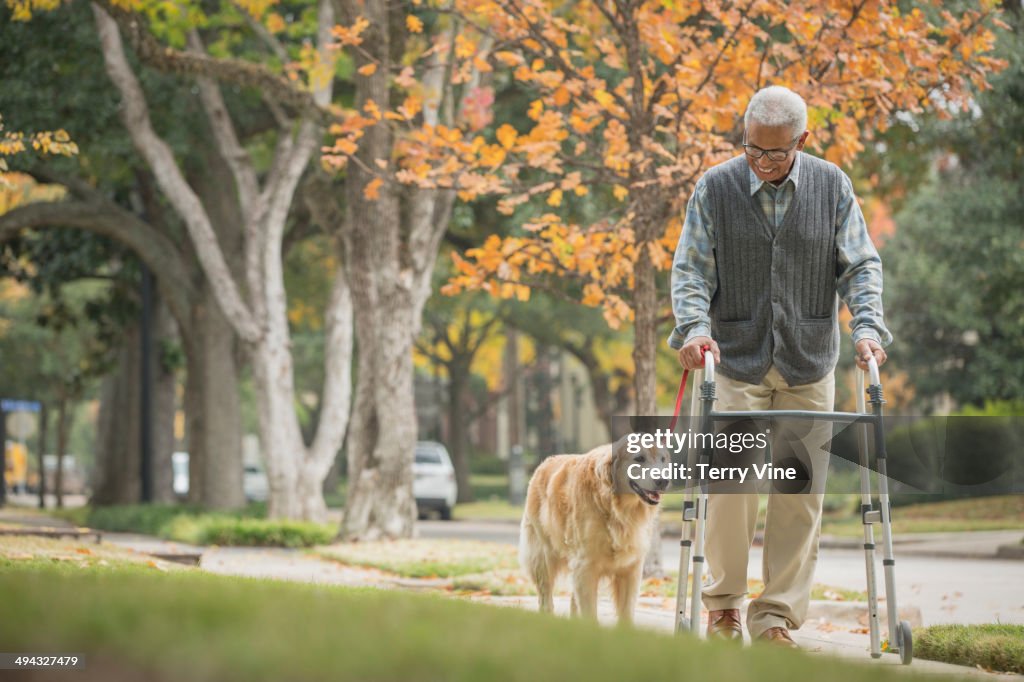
[709, 365]
[876, 380]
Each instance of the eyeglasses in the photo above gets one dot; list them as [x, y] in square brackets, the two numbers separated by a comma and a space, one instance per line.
[755, 152]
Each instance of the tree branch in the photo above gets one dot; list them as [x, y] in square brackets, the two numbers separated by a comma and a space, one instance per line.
[151, 246]
[156, 152]
[228, 70]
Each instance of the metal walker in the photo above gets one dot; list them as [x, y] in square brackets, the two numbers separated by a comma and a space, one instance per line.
[695, 510]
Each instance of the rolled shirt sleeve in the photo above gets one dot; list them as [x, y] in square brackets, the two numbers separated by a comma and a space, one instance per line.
[859, 270]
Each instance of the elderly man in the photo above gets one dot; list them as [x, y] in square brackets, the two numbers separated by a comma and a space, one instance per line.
[771, 237]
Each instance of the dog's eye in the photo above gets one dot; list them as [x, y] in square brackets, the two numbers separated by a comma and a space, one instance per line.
[638, 458]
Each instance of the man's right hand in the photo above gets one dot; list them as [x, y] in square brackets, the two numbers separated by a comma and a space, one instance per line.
[690, 355]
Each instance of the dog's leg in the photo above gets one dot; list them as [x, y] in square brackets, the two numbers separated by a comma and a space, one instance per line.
[584, 588]
[544, 573]
[625, 588]
[546, 587]
[534, 561]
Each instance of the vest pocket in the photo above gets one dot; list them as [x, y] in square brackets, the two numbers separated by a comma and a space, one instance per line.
[737, 339]
[815, 335]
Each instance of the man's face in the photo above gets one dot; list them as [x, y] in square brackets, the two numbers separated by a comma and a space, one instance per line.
[773, 138]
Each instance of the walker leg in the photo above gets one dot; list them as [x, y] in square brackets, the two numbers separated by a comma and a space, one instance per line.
[689, 516]
[707, 399]
[899, 635]
[867, 518]
[685, 543]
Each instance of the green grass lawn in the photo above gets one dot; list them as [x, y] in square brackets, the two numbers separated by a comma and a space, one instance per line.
[992, 646]
[1002, 512]
[130, 623]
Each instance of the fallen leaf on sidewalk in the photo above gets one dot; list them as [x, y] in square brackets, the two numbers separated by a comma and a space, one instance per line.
[859, 631]
[83, 550]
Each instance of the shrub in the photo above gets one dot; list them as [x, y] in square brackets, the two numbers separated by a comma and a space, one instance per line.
[225, 530]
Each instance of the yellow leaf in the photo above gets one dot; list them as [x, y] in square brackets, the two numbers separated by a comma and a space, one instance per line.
[367, 70]
[604, 98]
[620, 192]
[372, 190]
[555, 198]
[275, 23]
[507, 136]
[413, 24]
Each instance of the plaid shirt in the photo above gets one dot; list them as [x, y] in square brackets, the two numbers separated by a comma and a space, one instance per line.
[695, 272]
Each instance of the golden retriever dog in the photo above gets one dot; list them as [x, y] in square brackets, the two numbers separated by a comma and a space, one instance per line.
[586, 514]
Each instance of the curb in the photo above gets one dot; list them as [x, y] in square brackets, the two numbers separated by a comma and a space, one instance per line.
[1010, 552]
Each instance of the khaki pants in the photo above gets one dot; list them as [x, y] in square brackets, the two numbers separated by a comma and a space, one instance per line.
[793, 522]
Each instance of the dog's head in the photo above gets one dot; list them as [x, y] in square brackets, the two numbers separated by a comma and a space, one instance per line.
[632, 466]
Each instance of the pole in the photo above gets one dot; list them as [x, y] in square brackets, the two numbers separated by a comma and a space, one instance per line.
[3, 457]
[43, 423]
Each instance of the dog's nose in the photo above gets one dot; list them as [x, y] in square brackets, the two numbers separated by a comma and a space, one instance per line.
[662, 484]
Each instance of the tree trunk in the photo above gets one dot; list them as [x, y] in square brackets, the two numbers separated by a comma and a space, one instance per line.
[458, 375]
[212, 413]
[382, 430]
[63, 426]
[645, 348]
[117, 474]
[165, 331]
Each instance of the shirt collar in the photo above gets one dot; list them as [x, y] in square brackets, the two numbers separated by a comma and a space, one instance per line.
[794, 177]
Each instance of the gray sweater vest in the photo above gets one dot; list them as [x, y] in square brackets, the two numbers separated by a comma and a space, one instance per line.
[776, 296]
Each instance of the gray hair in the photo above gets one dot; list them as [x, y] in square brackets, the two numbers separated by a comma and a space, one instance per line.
[776, 106]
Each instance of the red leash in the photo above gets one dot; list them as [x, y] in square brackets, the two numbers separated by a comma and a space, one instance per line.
[682, 391]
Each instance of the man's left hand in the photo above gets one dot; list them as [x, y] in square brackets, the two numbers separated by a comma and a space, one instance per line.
[865, 349]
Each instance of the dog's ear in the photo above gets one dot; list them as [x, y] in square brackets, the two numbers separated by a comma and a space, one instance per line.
[619, 450]
[643, 424]
[618, 456]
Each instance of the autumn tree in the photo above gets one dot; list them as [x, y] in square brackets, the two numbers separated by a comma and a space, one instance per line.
[638, 98]
[633, 99]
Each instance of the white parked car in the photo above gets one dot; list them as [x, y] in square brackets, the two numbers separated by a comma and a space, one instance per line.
[434, 483]
[254, 480]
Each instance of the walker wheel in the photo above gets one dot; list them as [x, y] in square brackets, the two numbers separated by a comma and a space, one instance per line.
[906, 642]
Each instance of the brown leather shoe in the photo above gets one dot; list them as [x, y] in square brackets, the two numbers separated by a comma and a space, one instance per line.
[725, 624]
[778, 636]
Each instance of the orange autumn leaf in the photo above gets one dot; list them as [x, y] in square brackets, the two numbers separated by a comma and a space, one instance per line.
[372, 189]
